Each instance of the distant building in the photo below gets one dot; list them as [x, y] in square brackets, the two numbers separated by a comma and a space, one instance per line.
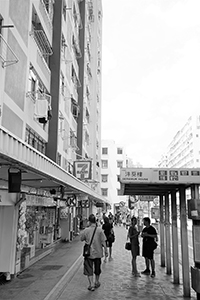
[113, 157]
[184, 149]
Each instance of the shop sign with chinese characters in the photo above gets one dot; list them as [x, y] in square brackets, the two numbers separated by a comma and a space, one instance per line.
[162, 175]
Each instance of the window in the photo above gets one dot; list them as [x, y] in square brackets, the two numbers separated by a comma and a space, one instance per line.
[104, 164]
[33, 139]
[104, 192]
[119, 192]
[104, 178]
[119, 151]
[58, 159]
[104, 150]
[118, 177]
[120, 164]
[62, 79]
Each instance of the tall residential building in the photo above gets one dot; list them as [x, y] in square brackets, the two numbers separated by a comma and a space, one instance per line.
[113, 157]
[50, 115]
[184, 149]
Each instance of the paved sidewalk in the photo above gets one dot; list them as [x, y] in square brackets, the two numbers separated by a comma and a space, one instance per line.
[59, 276]
[40, 280]
[118, 283]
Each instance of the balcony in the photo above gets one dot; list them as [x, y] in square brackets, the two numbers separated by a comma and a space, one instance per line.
[42, 42]
[46, 10]
[7, 55]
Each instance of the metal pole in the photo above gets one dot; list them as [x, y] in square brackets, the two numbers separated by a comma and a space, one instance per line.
[175, 238]
[195, 195]
[184, 243]
[162, 233]
[167, 236]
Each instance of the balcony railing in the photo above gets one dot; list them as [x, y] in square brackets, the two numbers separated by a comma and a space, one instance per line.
[7, 55]
[42, 42]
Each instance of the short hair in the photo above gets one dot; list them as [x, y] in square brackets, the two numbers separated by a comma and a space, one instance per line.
[133, 218]
[92, 218]
[147, 219]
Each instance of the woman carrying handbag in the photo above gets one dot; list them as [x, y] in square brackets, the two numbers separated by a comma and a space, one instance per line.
[133, 234]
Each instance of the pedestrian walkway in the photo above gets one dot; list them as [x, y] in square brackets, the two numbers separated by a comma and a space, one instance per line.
[59, 276]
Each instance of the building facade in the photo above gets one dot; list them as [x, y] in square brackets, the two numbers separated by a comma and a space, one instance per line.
[113, 158]
[184, 149]
[43, 123]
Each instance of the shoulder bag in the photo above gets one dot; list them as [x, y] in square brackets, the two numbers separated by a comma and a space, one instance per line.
[86, 247]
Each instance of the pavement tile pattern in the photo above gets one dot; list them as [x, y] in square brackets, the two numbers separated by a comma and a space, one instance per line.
[118, 283]
[45, 280]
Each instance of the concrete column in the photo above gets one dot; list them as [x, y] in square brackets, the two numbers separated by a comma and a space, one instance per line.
[162, 233]
[175, 238]
[184, 243]
[167, 236]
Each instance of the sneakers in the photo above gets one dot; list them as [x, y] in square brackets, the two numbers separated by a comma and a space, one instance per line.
[153, 274]
[146, 272]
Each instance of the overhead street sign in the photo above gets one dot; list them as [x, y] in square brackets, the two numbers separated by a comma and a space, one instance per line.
[160, 175]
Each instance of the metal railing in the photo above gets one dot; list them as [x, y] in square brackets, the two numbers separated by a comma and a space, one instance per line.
[7, 55]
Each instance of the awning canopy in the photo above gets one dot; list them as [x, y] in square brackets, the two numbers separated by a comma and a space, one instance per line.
[38, 171]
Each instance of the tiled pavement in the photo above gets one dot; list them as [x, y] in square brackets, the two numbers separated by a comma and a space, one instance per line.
[59, 276]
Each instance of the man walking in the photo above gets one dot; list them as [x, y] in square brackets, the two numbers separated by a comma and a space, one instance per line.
[149, 235]
[92, 264]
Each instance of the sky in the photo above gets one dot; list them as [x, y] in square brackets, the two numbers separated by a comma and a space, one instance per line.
[150, 73]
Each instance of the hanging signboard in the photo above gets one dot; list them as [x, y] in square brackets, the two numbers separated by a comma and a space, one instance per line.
[155, 213]
[82, 169]
[164, 175]
[146, 198]
[131, 201]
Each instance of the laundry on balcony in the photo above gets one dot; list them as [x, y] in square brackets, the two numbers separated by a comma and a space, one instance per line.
[43, 110]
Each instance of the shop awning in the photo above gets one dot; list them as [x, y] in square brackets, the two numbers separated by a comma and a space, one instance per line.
[38, 171]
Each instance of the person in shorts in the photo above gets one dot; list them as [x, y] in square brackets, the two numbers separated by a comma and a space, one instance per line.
[92, 264]
[149, 235]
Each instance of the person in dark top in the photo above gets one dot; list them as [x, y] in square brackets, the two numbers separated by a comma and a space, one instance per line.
[149, 235]
[108, 231]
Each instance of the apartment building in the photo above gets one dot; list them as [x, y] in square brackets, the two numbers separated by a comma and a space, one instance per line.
[113, 157]
[43, 114]
[184, 149]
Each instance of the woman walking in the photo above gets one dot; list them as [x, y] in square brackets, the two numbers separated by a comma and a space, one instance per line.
[135, 248]
[109, 233]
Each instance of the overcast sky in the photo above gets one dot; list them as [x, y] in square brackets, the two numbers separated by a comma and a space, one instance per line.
[150, 73]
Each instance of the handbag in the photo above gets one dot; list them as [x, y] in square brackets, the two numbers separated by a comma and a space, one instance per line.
[111, 237]
[155, 245]
[86, 247]
[128, 246]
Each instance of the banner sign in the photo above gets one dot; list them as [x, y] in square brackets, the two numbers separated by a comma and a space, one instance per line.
[131, 201]
[160, 175]
[82, 169]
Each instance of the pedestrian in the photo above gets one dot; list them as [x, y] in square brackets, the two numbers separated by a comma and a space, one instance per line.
[108, 230]
[92, 264]
[128, 221]
[149, 235]
[133, 234]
